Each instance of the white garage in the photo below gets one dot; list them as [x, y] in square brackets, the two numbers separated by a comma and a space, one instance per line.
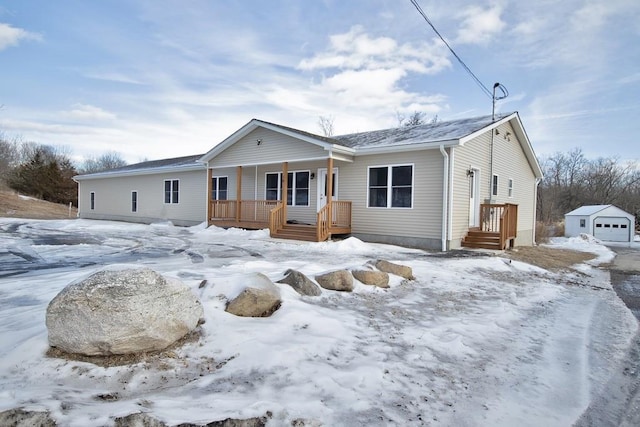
[605, 222]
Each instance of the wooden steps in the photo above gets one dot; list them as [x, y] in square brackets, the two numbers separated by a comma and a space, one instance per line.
[482, 240]
[303, 232]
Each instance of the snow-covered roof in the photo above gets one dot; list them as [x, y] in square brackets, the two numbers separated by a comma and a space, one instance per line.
[151, 166]
[437, 132]
[587, 210]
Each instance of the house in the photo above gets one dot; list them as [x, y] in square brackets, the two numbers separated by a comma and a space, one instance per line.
[604, 222]
[470, 182]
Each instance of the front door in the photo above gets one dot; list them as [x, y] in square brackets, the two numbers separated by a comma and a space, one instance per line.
[322, 187]
[474, 198]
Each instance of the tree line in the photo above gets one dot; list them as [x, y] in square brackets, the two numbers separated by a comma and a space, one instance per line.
[571, 180]
[46, 172]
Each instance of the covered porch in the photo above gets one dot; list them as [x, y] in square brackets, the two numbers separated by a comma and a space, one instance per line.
[497, 230]
[332, 217]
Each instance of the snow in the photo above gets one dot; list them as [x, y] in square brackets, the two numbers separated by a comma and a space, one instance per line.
[477, 340]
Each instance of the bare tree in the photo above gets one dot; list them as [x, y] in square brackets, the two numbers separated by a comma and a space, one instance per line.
[326, 125]
[108, 160]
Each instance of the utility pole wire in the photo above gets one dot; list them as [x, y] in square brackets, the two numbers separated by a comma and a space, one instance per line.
[467, 69]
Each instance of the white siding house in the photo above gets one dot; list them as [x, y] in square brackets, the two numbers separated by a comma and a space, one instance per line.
[162, 190]
[604, 222]
[441, 185]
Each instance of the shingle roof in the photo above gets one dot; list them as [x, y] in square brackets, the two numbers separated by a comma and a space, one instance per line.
[176, 162]
[407, 135]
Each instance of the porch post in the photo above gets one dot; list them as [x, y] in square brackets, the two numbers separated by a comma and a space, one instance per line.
[285, 189]
[238, 193]
[209, 195]
[330, 191]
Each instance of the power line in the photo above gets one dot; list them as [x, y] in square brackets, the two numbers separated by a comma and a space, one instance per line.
[487, 92]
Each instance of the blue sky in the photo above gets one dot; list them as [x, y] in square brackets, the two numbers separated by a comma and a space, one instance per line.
[159, 78]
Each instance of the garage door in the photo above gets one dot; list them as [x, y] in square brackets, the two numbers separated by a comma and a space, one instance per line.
[611, 229]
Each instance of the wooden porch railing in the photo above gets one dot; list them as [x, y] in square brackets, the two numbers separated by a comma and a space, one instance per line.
[276, 219]
[243, 210]
[502, 219]
[270, 213]
[340, 219]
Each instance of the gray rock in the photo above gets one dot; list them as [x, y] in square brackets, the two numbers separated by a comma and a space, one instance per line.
[260, 298]
[18, 417]
[372, 277]
[139, 419]
[340, 280]
[397, 269]
[121, 311]
[301, 283]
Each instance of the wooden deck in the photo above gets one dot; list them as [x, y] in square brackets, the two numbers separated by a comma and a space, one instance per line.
[259, 214]
[498, 227]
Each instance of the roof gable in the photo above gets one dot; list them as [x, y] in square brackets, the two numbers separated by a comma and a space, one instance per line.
[589, 210]
[328, 144]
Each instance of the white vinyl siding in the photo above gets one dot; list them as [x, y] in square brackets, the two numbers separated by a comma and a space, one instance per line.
[422, 221]
[115, 198]
[274, 148]
[509, 160]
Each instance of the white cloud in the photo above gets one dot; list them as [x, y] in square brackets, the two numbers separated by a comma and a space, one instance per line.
[11, 36]
[357, 50]
[480, 26]
[87, 112]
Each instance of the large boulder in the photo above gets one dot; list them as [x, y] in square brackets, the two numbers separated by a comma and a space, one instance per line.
[301, 283]
[397, 269]
[20, 418]
[339, 280]
[259, 298]
[372, 277]
[122, 311]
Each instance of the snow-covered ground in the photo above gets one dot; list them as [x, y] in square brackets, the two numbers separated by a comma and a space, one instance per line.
[474, 340]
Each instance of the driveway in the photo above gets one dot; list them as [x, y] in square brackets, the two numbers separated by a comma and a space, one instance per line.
[618, 404]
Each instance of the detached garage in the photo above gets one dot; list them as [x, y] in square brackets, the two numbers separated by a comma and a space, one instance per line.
[604, 222]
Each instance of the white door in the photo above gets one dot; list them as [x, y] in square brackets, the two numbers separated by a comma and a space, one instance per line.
[474, 198]
[322, 187]
[612, 229]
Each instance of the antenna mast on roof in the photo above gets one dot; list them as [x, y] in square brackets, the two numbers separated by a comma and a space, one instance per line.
[495, 98]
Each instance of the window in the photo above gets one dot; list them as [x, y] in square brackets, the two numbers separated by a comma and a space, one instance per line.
[598, 225]
[134, 201]
[219, 188]
[92, 200]
[607, 226]
[623, 225]
[510, 188]
[583, 223]
[494, 185]
[391, 186]
[171, 190]
[297, 187]
[615, 225]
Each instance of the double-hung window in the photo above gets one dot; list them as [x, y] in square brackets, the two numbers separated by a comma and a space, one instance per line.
[171, 190]
[297, 187]
[134, 201]
[219, 188]
[494, 185]
[92, 200]
[391, 186]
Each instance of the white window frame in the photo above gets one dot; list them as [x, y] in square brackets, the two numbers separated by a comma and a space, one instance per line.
[293, 188]
[174, 195]
[216, 188]
[510, 188]
[389, 185]
[134, 207]
[495, 182]
[92, 200]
